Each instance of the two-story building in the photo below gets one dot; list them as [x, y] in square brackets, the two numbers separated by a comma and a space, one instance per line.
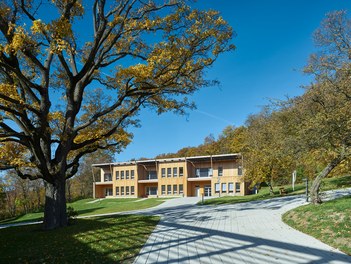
[213, 175]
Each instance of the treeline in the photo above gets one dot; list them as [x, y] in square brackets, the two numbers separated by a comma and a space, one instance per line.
[18, 196]
[310, 133]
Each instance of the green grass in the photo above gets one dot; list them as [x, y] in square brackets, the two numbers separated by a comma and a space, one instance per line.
[327, 184]
[329, 222]
[104, 206]
[115, 239]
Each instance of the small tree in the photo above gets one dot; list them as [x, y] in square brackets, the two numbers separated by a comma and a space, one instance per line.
[69, 87]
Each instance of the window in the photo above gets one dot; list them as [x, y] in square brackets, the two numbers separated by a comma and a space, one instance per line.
[169, 189]
[224, 187]
[220, 171]
[203, 172]
[107, 177]
[175, 191]
[127, 174]
[240, 170]
[169, 172]
[152, 175]
[117, 190]
[132, 190]
[117, 175]
[237, 187]
[122, 190]
[163, 172]
[108, 191]
[217, 187]
[163, 189]
[127, 190]
[122, 175]
[151, 190]
[181, 189]
[132, 174]
[181, 171]
[175, 172]
[230, 187]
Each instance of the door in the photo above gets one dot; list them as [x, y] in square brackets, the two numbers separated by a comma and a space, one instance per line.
[197, 191]
[207, 190]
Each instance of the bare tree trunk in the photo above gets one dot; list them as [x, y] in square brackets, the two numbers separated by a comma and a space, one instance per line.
[315, 198]
[55, 214]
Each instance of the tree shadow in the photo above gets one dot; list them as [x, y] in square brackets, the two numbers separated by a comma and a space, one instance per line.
[115, 239]
[190, 234]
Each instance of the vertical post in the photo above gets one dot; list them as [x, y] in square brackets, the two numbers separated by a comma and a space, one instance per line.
[202, 198]
[306, 189]
[94, 185]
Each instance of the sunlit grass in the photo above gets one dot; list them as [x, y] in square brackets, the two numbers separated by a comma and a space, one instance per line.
[94, 240]
[103, 206]
[329, 222]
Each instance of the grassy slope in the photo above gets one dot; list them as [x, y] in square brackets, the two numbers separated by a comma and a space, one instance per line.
[96, 240]
[328, 184]
[329, 222]
[84, 207]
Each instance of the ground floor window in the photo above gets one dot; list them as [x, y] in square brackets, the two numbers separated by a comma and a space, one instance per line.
[224, 187]
[217, 187]
[122, 190]
[151, 190]
[237, 187]
[132, 190]
[175, 191]
[169, 189]
[230, 187]
[163, 189]
[108, 191]
[181, 189]
[117, 190]
[127, 190]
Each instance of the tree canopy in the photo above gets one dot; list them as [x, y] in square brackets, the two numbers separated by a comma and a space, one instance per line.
[70, 86]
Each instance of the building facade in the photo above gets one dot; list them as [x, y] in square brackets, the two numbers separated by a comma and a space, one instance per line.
[213, 175]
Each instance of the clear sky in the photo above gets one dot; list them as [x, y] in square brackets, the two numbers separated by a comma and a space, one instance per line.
[274, 40]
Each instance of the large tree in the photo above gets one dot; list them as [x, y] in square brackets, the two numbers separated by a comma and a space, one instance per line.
[74, 73]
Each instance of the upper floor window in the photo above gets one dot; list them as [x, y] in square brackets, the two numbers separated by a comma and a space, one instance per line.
[169, 172]
[152, 175]
[122, 175]
[220, 171]
[132, 174]
[163, 172]
[181, 171]
[203, 172]
[117, 175]
[127, 174]
[240, 170]
[107, 177]
[175, 172]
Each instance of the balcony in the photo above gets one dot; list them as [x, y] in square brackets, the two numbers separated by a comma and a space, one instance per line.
[150, 177]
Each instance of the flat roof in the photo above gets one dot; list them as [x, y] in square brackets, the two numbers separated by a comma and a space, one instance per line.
[152, 161]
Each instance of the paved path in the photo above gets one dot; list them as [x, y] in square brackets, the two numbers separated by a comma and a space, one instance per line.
[242, 233]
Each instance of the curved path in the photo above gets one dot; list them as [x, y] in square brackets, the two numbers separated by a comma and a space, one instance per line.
[241, 233]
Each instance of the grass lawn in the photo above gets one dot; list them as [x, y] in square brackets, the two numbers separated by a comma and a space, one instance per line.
[329, 222]
[85, 207]
[327, 184]
[115, 239]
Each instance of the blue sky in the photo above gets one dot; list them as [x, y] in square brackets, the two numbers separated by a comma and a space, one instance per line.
[274, 40]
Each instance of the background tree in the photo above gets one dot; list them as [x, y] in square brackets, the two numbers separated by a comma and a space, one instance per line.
[63, 96]
[325, 107]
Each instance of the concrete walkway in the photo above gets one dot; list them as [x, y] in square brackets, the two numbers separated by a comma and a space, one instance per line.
[242, 233]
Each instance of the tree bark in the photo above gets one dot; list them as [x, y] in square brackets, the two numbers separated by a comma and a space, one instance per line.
[314, 193]
[55, 214]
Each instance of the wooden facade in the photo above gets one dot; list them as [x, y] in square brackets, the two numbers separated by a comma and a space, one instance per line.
[215, 175]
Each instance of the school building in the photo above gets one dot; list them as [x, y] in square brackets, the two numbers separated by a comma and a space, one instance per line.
[213, 175]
